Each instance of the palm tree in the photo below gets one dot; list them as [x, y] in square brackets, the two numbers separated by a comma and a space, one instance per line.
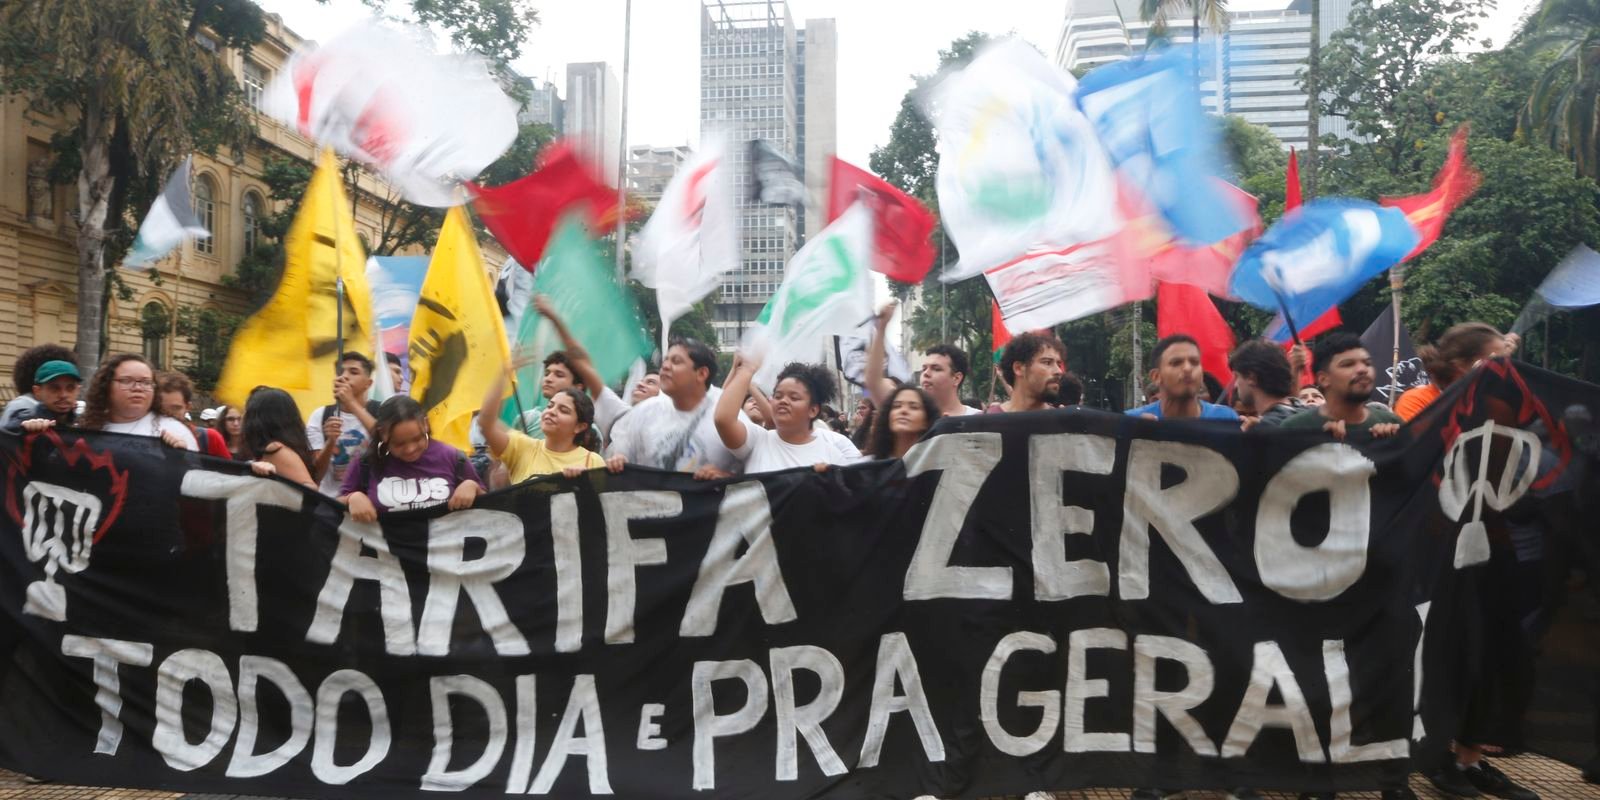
[1563, 110]
[1214, 12]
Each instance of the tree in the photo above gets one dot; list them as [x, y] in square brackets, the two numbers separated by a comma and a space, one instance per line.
[145, 82]
[1371, 71]
[1563, 107]
[1214, 12]
[140, 89]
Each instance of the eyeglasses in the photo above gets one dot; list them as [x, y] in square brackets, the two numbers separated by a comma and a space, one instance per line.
[135, 383]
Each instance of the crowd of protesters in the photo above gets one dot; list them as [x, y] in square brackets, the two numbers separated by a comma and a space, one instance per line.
[378, 458]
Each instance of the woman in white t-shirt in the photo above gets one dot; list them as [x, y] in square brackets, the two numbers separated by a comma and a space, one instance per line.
[796, 402]
[120, 399]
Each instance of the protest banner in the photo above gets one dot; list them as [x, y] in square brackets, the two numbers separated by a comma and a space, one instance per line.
[1027, 601]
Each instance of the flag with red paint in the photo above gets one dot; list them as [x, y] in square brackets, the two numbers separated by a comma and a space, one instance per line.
[901, 224]
[692, 238]
[1456, 181]
[522, 214]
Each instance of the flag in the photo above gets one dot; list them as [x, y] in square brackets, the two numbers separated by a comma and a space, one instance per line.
[850, 353]
[293, 342]
[692, 238]
[1456, 181]
[999, 334]
[1291, 183]
[458, 343]
[383, 97]
[826, 291]
[775, 178]
[1320, 254]
[1181, 308]
[513, 290]
[1379, 339]
[1147, 113]
[1574, 283]
[396, 282]
[598, 312]
[1207, 266]
[902, 225]
[1021, 169]
[1278, 330]
[171, 220]
[522, 214]
[1048, 286]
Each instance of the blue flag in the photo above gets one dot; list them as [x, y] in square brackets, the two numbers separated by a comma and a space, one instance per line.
[1148, 115]
[1320, 254]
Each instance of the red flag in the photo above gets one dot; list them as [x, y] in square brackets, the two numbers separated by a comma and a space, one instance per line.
[1456, 181]
[901, 224]
[522, 214]
[1322, 324]
[999, 334]
[1206, 266]
[1181, 308]
[1291, 181]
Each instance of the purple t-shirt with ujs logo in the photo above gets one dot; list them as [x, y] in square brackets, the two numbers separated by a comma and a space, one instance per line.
[404, 485]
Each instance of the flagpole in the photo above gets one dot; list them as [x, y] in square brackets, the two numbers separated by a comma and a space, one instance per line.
[177, 303]
[622, 145]
[1395, 279]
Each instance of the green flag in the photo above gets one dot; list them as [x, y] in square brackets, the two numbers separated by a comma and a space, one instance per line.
[600, 314]
[826, 291]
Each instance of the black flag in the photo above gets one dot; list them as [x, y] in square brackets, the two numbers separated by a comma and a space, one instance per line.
[1400, 375]
[775, 178]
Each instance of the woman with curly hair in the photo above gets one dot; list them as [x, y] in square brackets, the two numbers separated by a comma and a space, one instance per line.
[794, 440]
[121, 399]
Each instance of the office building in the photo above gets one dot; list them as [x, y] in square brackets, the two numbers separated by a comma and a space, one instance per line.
[592, 115]
[651, 168]
[1251, 69]
[544, 105]
[762, 76]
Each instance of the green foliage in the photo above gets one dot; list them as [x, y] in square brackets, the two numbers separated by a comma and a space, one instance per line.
[257, 272]
[1371, 70]
[493, 28]
[1259, 163]
[1563, 107]
[210, 331]
[909, 160]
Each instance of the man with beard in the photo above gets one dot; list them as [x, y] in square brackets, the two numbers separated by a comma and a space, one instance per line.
[1180, 379]
[1344, 374]
[1033, 365]
[1263, 384]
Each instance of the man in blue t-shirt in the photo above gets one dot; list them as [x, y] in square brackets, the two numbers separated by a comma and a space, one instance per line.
[1176, 371]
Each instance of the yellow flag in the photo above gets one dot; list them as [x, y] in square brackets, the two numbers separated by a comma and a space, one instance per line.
[458, 343]
[292, 343]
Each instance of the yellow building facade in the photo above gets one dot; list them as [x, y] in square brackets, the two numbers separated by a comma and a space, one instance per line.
[38, 252]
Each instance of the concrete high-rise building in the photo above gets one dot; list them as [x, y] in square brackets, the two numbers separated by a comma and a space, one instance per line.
[764, 77]
[1251, 69]
[544, 105]
[650, 169]
[593, 115]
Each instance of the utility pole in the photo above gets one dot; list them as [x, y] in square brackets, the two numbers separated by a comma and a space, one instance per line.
[622, 145]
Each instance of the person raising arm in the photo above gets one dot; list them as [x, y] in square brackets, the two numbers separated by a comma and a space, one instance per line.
[796, 402]
[569, 442]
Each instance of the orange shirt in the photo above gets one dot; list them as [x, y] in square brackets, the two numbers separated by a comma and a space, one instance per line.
[1413, 400]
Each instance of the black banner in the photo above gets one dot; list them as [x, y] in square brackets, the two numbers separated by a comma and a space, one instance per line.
[1032, 601]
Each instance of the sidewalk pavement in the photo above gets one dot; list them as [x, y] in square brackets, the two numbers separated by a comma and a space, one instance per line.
[1553, 780]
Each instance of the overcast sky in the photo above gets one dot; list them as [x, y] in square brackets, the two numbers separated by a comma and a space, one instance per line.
[882, 43]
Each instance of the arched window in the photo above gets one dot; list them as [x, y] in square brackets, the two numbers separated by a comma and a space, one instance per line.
[251, 210]
[205, 207]
[154, 325]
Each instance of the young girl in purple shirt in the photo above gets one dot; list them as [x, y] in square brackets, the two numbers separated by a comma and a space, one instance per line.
[405, 468]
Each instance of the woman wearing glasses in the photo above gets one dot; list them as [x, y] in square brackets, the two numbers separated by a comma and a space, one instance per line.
[121, 399]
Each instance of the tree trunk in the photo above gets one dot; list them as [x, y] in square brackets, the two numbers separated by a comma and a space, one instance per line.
[94, 199]
[1313, 100]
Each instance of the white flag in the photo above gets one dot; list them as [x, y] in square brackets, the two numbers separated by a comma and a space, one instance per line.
[692, 238]
[170, 221]
[826, 292]
[1020, 167]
